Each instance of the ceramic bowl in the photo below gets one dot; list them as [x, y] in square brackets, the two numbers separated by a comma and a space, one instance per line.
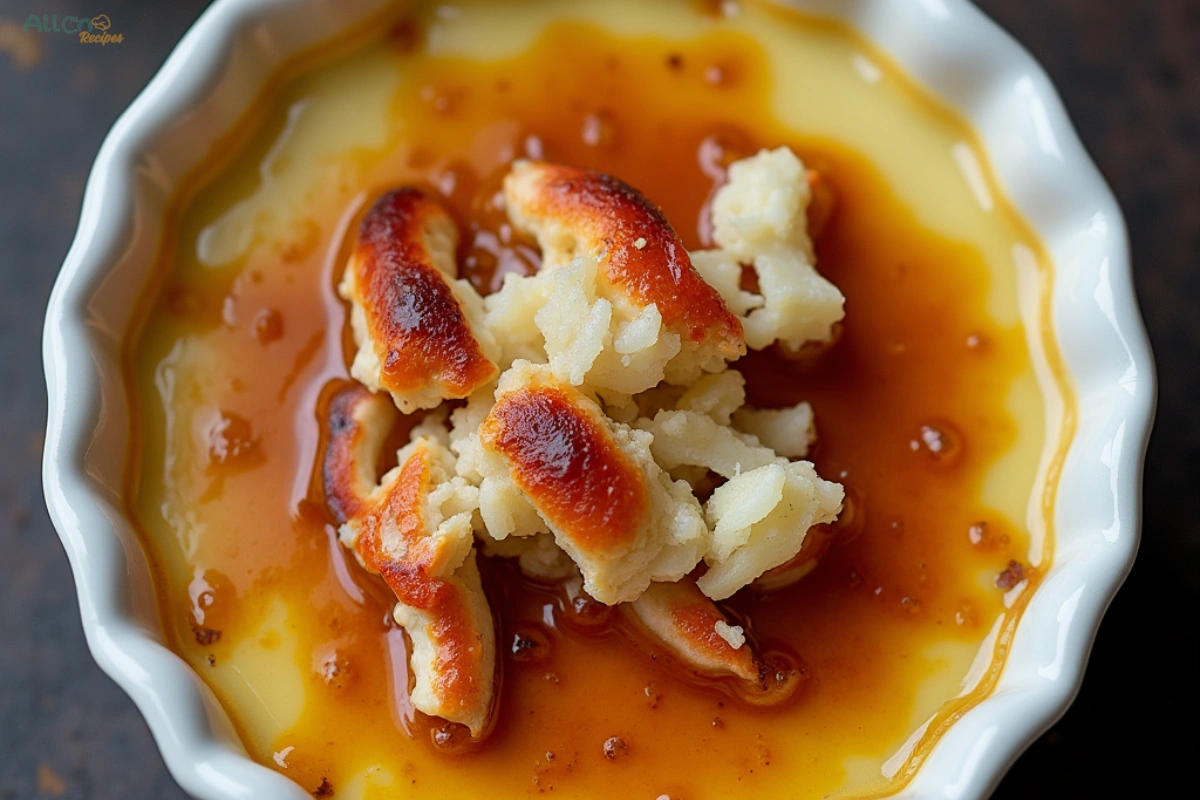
[948, 45]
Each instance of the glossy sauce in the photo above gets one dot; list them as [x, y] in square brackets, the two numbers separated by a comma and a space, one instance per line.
[927, 409]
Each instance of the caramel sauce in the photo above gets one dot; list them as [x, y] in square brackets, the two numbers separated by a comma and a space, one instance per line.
[235, 366]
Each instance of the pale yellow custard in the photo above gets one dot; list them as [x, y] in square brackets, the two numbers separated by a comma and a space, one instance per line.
[941, 408]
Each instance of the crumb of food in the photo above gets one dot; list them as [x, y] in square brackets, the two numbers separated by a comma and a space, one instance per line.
[231, 441]
[759, 520]
[211, 659]
[733, 634]
[48, 781]
[206, 636]
[335, 671]
[640, 242]
[942, 440]
[324, 790]
[599, 129]
[443, 737]
[615, 747]
[1013, 574]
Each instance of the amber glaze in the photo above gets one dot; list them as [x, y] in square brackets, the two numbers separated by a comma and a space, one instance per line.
[909, 405]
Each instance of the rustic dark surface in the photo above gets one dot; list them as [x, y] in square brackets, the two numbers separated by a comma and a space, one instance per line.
[1130, 75]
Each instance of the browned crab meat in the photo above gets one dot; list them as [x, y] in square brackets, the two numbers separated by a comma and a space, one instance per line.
[419, 331]
[423, 547]
[692, 628]
[575, 212]
[703, 640]
[593, 482]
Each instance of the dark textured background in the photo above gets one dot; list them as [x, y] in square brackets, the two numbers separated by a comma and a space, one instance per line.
[1129, 71]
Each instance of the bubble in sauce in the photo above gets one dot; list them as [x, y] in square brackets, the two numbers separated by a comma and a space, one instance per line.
[529, 644]
[652, 694]
[599, 129]
[910, 604]
[580, 609]
[939, 440]
[725, 145]
[213, 598]
[334, 669]
[714, 74]
[268, 326]
[615, 747]
[450, 737]
[781, 677]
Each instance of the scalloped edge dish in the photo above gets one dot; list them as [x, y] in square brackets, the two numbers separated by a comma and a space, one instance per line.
[237, 49]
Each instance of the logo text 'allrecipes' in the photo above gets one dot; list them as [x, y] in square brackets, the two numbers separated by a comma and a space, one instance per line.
[90, 31]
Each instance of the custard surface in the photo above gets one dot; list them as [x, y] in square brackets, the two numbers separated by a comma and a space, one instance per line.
[929, 407]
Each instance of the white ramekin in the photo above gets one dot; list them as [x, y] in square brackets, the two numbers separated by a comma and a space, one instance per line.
[948, 45]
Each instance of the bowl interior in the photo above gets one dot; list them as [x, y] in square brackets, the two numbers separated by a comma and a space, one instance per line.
[212, 80]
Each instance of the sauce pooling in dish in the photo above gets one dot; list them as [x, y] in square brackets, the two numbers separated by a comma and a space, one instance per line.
[927, 411]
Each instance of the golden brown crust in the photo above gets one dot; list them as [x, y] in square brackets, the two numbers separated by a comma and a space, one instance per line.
[417, 326]
[570, 467]
[637, 248]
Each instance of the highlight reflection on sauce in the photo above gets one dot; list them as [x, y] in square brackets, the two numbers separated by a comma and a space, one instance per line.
[909, 403]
